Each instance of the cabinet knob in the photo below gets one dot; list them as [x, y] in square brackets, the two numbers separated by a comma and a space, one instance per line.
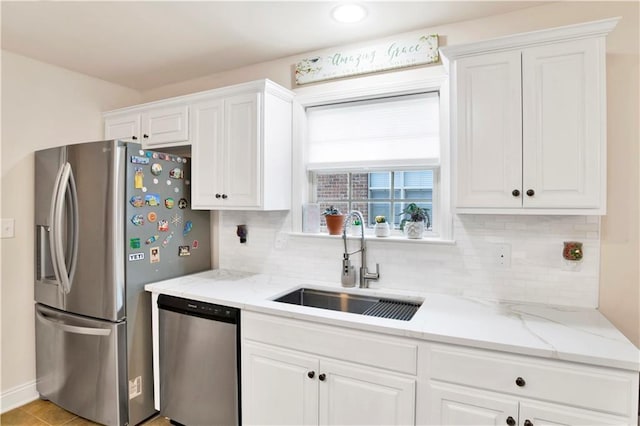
[322, 376]
[528, 423]
[218, 195]
[145, 136]
[511, 421]
[135, 138]
[530, 192]
[515, 192]
[520, 382]
[311, 374]
[224, 196]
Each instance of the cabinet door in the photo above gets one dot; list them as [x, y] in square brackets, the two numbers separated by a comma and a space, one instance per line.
[350, 395]
[488, 130]
[165, 126]
[458, 405]
[277, 388]
[125, 127]
[563, 125]
[207, 134]
[242, 151]
[542, 414]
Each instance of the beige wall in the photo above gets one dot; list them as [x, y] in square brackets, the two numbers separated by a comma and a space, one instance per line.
[42, 106]
[620, 241]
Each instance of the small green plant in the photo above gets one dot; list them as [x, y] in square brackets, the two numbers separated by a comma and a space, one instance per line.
[331, 211]
[416, 214]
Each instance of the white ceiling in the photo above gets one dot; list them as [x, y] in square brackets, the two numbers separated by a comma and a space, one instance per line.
[148, 44]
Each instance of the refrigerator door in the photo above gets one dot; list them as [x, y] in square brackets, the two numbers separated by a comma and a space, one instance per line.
[81, 365]
[164, 237]
[79, 229]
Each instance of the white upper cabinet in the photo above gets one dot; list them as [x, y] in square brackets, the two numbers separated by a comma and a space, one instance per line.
[241, 148]
[125, 126]
[240, 139]
[165, 126]
[152, 126]
[528, 122]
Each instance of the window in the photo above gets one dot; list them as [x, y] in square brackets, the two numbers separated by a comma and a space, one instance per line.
[376, 156]
[383, 193]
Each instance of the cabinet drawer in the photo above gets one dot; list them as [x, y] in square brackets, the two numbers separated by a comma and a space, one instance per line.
[363, 348]
[562, 382]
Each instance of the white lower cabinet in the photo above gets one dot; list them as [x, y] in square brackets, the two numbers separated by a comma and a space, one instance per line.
[477, 387]
[276, 387]
[281, 386]
[352, 395]
[458, 405]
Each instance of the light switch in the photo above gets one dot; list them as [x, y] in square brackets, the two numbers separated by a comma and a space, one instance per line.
[7, 228]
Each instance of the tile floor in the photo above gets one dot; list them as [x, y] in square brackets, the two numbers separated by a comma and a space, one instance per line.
[45, 413]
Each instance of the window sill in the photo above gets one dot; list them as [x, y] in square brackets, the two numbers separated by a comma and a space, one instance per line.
[370, 238]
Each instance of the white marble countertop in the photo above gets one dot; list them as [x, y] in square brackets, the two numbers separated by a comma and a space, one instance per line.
[563, 333]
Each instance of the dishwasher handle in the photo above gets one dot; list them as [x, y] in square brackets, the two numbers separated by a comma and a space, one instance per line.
[196, 308]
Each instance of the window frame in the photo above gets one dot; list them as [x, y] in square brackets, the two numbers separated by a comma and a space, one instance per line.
[405, 82]
[431, 233]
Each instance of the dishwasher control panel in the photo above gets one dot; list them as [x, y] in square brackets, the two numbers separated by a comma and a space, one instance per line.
[198, 308]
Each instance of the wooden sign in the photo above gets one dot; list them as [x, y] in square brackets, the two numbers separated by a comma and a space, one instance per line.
[400, 53]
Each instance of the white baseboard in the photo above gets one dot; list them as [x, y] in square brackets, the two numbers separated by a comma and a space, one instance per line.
[18, 396]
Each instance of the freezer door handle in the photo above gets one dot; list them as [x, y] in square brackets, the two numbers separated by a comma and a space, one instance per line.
[73, 328]
[64, 268]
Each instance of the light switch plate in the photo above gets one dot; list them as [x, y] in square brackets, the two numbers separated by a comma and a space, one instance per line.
[7, 230]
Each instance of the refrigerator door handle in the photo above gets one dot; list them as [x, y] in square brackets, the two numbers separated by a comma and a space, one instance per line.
[52, 228]
[73, 328]
[75, 230]
[64, 270]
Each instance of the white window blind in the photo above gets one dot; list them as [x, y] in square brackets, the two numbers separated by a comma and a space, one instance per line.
[386, 133]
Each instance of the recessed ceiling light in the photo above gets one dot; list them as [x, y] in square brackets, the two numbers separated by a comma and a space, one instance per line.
[349, 13]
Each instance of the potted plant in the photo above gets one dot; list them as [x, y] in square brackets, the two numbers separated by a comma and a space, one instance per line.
[334, 219]
[381, 228]
[413, 226]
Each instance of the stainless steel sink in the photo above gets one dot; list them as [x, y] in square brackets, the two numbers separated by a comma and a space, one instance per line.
[352, 303]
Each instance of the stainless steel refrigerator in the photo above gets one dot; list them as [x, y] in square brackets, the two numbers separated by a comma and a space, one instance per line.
[109, 218]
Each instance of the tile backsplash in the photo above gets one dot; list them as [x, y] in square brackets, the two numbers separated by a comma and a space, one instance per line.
[532, 271]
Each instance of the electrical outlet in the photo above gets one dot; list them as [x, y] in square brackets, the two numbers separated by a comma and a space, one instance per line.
[7, 229]
[502, 255]
[281, 241]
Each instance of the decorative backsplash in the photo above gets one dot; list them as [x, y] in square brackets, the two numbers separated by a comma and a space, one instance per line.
[532, 270]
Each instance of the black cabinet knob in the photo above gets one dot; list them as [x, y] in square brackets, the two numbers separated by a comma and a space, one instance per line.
[311, 374]
[224, 196]
[515, 192]
[530, 192]
[322, 376]
[511, 421]
[218, 195]
[145, 136]
[528, 423]
[520, 382]
[135, 138]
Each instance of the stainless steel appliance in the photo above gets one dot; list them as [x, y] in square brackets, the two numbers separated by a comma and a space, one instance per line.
[199, 362]
[109, 217]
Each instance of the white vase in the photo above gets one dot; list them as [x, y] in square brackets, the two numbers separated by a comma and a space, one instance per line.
[414, 230]
[382, 230]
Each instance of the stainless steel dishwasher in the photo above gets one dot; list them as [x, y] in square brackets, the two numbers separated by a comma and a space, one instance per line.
[199, 362]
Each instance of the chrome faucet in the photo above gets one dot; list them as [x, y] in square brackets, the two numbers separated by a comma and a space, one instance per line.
[348, 276]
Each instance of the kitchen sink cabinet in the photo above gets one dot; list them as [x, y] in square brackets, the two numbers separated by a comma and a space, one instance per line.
[241, 149]
[285, 385]
[277, 388]
[528, 116]
[154, 127]
[469, 386]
